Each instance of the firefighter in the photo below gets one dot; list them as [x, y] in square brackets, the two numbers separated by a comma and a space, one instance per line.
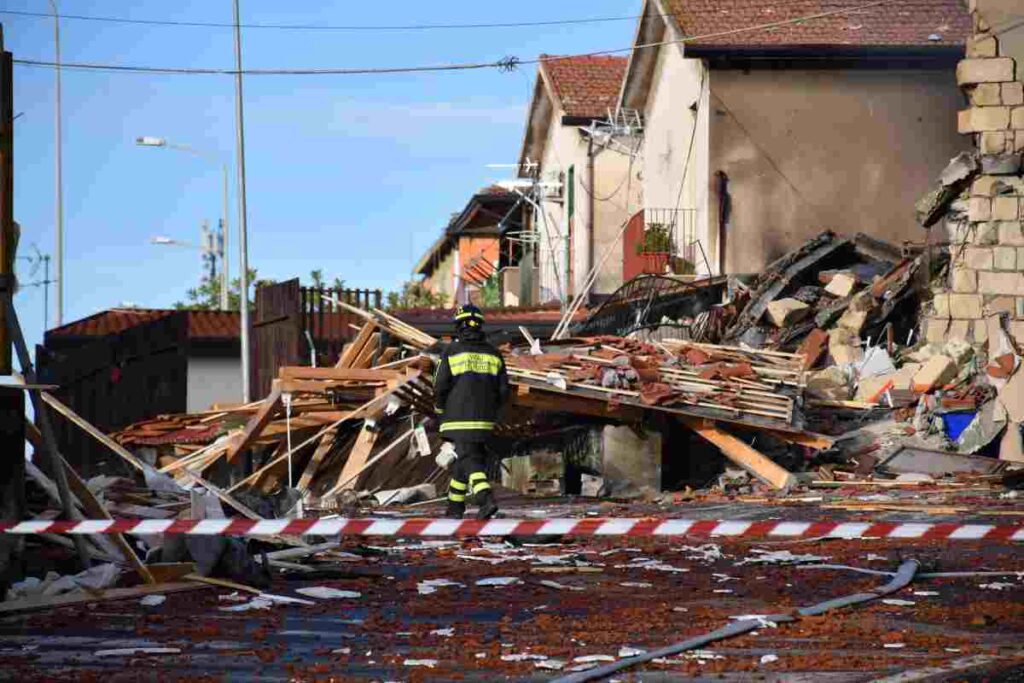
[470, 388]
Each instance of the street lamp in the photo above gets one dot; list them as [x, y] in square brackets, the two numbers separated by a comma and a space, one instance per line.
[212, 248]
[58, 170]
[149, 141]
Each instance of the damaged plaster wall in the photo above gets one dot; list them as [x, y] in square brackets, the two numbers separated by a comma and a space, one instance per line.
[860, 146]
[669, 120]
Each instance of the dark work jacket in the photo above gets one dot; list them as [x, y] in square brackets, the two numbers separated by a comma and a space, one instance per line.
[470, 387]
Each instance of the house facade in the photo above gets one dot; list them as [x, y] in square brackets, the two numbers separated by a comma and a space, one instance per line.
[473, 253]
[585, 184]
[755, 141]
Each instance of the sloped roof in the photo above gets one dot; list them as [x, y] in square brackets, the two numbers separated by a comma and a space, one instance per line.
[905, 23]
[587, 86]
[207, 325]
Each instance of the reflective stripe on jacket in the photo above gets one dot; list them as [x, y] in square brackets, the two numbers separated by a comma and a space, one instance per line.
[470, 387]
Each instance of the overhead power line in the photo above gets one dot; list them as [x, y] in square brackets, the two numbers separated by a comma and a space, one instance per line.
[327, 27]
[505, 64]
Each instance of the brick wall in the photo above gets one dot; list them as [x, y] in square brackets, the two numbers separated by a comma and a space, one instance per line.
[987, 271]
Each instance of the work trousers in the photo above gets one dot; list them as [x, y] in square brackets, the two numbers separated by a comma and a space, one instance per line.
[469, 473]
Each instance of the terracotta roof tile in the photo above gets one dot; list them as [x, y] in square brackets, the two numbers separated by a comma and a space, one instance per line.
[537, 314]
[906, 23]
[587, 86]
[207, 325]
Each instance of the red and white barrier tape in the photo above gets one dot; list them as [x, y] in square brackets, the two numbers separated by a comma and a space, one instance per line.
[526, 527]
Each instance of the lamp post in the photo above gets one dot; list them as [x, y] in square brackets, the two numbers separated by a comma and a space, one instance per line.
[148, 141]
[58, 169]
[211, 248]
[243, 247]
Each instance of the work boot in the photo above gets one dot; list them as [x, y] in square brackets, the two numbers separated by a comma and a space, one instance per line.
[455, 510]
[488, 506]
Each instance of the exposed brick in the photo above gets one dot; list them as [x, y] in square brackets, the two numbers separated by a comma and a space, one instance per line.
[1020, 308]
[979, 209]
[1000, 304]
[985, 234]
[965, 306]
[1013, 93]
[1017, 331]
[981, 333]
[1005, 258]
[994, 70]
[940, 302]
[980, 119]
[935, 330]
[1017, 118]
[978, 258]
[965, 280]
[982, 46]
[987, 95]
[960, 329]
[1005, 209]
[993, 142]
[1010, 233]
[1000, 283]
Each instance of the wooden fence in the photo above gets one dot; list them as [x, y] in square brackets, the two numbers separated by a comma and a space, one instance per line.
[293, 325]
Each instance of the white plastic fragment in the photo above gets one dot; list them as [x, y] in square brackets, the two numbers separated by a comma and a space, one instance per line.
[592, 659]
[627, 651]
[429, 663]
[443, 632]
[561, 586]
[132, 651]
[255, 603]
[768, 659]
[550, 664]
[152, 600]
[499, 581]
[779, 557]
[997, 586]
[636, 584]
[894, 646]
[326, 592]
[342, 651]
[898, 603]
[523, 657]
[431, 585]
[926, 593]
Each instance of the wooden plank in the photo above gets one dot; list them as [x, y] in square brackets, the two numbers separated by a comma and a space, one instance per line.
[743, 455]
[339, 374]
[223, 495]
[108, 595]
[530, 397]
[375, 404]
[350, 482]
[386, 356]
[322, 449]
[353, 349]
[820, 442]
[95, 510]
[256, 424]
[74, 417]
[357, 458]
[366, 355]
[307, 386]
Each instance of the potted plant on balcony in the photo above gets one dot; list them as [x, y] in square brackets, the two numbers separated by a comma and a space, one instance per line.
[656, 247]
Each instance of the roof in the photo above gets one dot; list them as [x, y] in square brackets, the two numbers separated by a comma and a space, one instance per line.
[202, 325]
[586, 86]
[480, 217]
[509, 314]
[907, 23]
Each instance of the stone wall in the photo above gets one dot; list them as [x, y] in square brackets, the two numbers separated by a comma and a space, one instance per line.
[987, 271]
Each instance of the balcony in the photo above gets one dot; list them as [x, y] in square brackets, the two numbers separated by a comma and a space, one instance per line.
[661, 241]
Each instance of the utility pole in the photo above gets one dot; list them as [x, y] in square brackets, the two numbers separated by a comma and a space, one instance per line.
[243, 249]
[59, 172]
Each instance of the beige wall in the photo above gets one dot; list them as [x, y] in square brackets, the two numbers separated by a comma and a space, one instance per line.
[676, 85]
[442, 280]
[860, 147]
[566, 146]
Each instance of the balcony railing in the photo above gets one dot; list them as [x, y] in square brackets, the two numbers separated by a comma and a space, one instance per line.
[670, 235]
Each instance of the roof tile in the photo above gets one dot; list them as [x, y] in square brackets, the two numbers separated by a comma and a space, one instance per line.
[207, 325]
[588, 85]
[906, 23]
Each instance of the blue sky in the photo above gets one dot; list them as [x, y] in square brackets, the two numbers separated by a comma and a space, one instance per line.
[351, 174]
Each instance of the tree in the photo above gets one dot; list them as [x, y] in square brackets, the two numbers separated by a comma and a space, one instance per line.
[317, 276]
[414, 294]
[207, 295]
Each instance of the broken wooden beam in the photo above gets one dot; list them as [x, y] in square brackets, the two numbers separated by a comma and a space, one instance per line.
[257, 423]
[750, 459]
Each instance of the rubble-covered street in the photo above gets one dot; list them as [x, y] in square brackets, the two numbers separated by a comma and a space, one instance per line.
[529, 609]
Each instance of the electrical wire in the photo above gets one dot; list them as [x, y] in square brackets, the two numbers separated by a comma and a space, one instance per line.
[506, 64]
